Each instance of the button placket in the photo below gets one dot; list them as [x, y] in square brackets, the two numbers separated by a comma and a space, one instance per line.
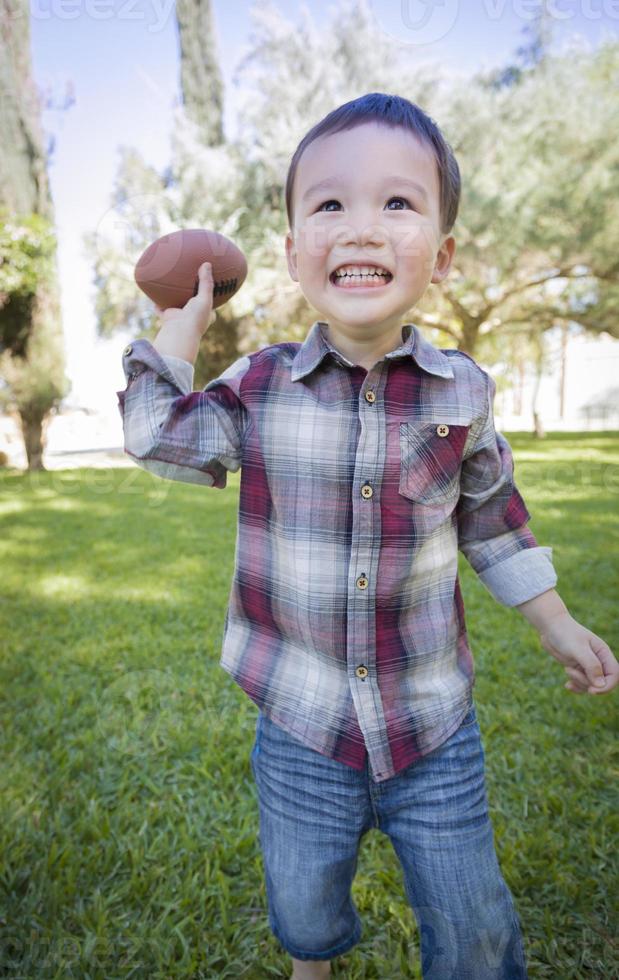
[361, 621]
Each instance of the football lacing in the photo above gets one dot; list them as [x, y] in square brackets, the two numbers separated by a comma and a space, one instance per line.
[224, 286]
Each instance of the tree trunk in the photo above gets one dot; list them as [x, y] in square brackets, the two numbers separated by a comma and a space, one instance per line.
[538, 426]
[538, 341]
[564, 332]
[35, 381]
[34, 440]
[24, 185]
[218, 349]
[519, 388]
[469, 337]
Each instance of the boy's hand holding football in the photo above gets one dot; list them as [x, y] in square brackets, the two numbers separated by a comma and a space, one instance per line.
[184, 328]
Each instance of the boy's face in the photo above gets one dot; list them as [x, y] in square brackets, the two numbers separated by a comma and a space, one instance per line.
[367, 216]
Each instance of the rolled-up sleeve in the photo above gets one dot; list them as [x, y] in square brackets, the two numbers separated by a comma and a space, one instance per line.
[182, 372]
[176, 433]
[492, 520]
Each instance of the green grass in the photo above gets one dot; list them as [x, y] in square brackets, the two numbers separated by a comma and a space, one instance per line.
[128, 816]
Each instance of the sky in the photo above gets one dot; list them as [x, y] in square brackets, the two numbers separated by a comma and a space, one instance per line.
[120, 61]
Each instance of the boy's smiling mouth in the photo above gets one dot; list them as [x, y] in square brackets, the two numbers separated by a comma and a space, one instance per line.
[355, 275]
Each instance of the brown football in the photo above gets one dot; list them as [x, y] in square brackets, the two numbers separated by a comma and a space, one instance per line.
[168, 270]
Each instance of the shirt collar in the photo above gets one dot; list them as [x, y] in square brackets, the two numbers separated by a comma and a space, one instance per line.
[317, 345]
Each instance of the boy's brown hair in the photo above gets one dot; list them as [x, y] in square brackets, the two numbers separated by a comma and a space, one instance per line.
[390, 110]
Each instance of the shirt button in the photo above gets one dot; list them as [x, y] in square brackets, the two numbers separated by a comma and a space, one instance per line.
[370, 397]
[361, 672]
[366, 491]
[442, 430]
[362, 582]
[128, 350]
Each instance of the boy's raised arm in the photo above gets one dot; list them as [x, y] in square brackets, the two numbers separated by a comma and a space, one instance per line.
[170, 430]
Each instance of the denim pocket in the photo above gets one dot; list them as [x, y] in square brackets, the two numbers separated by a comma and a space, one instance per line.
[470, 717]
[431, 460]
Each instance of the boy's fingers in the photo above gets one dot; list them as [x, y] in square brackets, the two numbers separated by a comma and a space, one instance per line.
[604, 671]
[581, 682]
[578, 680]
[606, 657]
[588, 665]
[205, 275]
[574, 687]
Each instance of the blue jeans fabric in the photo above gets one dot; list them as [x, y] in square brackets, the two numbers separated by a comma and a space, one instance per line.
[313, 813]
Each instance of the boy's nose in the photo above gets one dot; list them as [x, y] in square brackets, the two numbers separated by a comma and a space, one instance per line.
[361, 232]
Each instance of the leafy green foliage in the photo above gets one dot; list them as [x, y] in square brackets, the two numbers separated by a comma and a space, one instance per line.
[27, 252]
[536, 236]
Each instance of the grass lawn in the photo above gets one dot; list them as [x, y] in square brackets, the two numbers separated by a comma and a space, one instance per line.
[128, 815]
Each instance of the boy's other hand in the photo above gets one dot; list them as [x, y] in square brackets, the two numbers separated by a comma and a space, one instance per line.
[197, 314]
[585, 656]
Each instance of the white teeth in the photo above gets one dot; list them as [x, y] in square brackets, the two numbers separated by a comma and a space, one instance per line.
[360, 270]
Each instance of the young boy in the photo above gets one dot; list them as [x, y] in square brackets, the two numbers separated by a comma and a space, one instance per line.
[368, 458]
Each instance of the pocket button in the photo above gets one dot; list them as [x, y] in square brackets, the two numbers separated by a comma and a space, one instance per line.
[442, 430]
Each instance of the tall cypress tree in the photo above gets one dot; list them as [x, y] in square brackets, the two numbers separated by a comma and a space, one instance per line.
[201, 79]
[31, 348]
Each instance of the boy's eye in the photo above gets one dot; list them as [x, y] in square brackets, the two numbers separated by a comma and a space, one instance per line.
[327, 202]
[333, 201]
[400, 199]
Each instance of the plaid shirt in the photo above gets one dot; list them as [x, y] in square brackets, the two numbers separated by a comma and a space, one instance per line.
[345, 622]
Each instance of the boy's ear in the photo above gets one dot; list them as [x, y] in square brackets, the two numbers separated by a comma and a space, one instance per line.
[291, 257]
[444, 258]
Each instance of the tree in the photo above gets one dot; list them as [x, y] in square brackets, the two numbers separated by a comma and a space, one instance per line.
[201, 80]
[235, 187]
[200, 188]
[529, 55]
[31, 348]
[537, 230]
[537, 234]
[536, 239]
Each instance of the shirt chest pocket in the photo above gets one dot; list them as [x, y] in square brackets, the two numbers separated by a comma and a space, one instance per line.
[431, 460]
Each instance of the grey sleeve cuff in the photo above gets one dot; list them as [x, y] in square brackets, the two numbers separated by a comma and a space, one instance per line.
[521, 577]
[182, 371]
[169, 471]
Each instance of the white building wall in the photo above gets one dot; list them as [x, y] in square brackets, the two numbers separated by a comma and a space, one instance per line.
[591, 371]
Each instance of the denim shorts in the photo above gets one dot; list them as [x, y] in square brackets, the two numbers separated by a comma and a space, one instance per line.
[313, 813]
